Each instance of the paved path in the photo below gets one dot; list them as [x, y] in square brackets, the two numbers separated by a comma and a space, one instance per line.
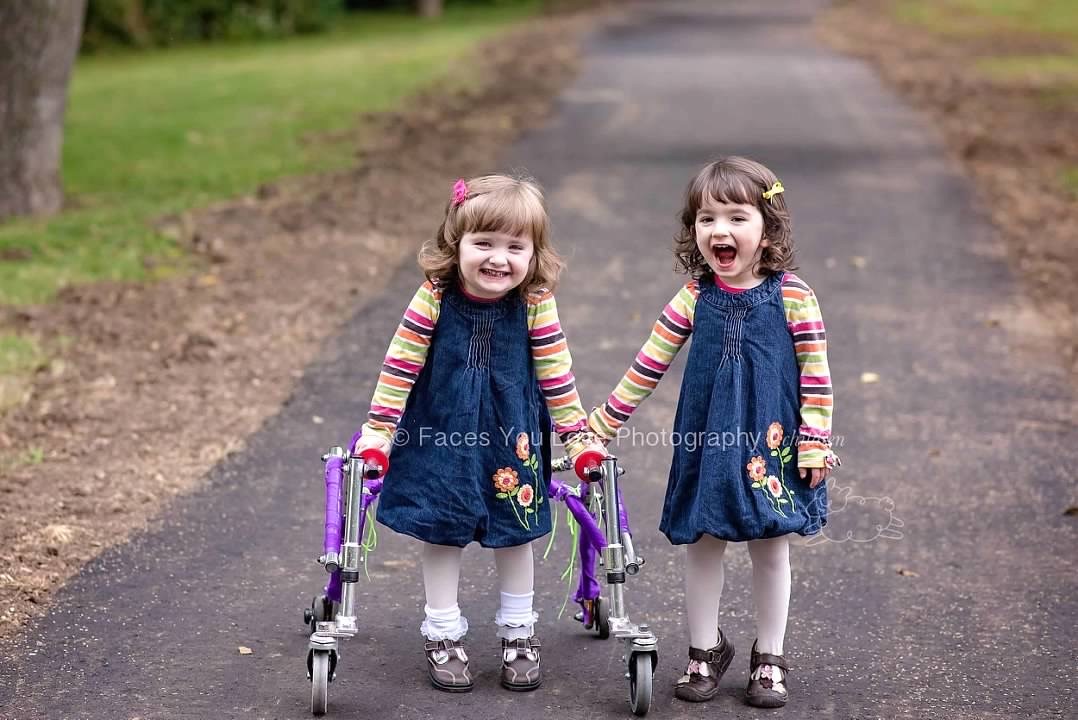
[958, 462]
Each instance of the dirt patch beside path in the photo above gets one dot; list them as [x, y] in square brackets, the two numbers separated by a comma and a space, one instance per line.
[1016, 137]
[159, 383]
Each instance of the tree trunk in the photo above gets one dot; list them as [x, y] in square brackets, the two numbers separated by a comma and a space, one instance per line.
[38, 43]
[430, 8]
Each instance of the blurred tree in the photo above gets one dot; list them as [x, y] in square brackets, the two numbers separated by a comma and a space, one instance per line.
[147, 23]
[430, 8]
[38, 43]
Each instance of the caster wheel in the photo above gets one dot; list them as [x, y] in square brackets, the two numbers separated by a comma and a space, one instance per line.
[641, 676]
[319, 682]
[602, 618]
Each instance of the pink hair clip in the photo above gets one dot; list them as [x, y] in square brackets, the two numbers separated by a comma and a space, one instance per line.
[460, 192]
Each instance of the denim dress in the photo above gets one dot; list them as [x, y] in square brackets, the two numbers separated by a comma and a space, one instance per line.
[471, 456]
[734, 473]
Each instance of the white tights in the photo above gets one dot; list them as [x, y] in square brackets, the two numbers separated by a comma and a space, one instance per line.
[770, 590]
[441, 578]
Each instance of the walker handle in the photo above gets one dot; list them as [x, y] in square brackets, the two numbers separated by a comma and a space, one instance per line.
[375, 463]
[588, 465]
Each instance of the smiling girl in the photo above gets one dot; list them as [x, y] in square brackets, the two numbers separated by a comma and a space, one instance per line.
[478, 370]
[757, 371]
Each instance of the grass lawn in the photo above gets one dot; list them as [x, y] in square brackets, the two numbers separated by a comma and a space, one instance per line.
[978, 17]
[150, 133]
[1053, 73]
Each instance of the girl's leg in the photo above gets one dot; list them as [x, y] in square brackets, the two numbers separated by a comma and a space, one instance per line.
[704, 578]
[709, 653]
[516, 619]
[441, 577]
[516, 580]
[771, 591]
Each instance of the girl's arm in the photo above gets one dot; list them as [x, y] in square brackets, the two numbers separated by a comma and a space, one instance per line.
[670, 332]
[554, 367]
[805, 321]
[404, 360]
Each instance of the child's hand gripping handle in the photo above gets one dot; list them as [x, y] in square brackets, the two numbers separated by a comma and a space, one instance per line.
[588, 465]
[375, 463]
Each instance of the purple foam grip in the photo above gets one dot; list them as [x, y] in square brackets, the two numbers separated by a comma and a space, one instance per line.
[331, 540]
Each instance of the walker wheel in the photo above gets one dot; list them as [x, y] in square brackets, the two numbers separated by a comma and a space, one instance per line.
[641, 676]
[319, 681]
[602, 618]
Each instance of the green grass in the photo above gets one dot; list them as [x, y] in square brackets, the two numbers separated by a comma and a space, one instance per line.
[158, 132]
[1059, 69]
[19, 357]
[1070, 180]
[1055, 18]
[19, 354]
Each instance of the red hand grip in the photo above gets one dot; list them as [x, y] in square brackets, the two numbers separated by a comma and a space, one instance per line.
[587, 465]
[374, 456]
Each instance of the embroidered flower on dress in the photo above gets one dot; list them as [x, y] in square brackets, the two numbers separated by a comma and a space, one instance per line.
[525, 495]
[756, 467]
[506, 479]
[523, 448]
[774, 435]
[774, 486]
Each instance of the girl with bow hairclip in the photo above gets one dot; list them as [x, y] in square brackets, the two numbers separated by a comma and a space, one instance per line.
[755, 401]
[478, 370]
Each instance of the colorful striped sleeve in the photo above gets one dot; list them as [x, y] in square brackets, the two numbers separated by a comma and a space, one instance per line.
[669, 333]
[810, 345]
[403, 362]
[554, 367]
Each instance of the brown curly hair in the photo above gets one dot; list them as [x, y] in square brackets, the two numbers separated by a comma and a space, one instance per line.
[736, 180]
[495, 203]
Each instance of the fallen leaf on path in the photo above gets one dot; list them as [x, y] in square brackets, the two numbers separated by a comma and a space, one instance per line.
[317, 419]
[244, 650]
[59, 533]
[868, 378]
[906, 572]
[1072, 510]
[859, 262]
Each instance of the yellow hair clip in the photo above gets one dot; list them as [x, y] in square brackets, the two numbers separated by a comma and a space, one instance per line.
[775, 190]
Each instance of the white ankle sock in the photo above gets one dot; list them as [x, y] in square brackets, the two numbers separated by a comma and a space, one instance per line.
[444, 623]
[515, 617]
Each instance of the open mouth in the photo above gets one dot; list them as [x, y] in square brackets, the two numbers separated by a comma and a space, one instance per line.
[724, 254]
[494, 274]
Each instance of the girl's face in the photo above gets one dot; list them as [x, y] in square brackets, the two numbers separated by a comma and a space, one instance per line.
[731, 239]
[493, 263]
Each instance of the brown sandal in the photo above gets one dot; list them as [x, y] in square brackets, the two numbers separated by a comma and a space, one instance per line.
[764, 690]
[694, 687]
[448, 665]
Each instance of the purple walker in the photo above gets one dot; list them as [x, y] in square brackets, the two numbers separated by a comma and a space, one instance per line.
[332, 615]
[605, 539]
[604, 528]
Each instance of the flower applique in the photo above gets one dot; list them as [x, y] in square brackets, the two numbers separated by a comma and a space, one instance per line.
[523, 499]
[773, 487]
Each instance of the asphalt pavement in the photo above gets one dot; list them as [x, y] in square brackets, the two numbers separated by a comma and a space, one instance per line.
[947, 585]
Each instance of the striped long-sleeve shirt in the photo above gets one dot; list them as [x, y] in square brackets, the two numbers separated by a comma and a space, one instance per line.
[407, 355]
[674, 327]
